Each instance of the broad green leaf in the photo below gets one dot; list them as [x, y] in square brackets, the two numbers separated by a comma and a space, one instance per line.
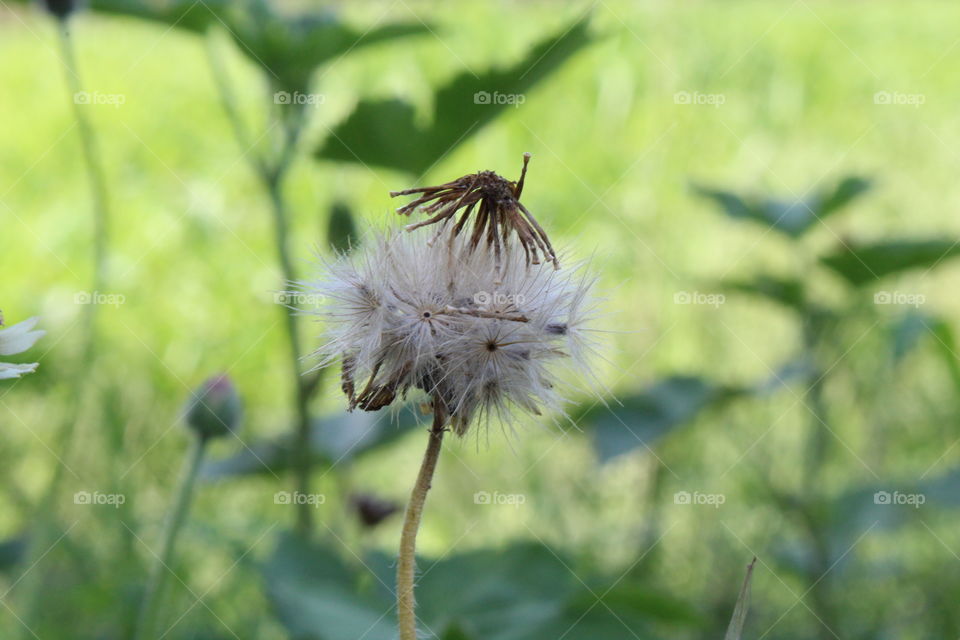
[861, 264]
[789, 292]
[802, 368]
[12, 552]
[845, 192]
[290, 48]
[188, 15]
[314, 595]
[942, 491]
[907, 331]
[333, 439]
[790, 217]
[639, 420]
[341, 229]
[735, 630]
[495, 594]
[386, 132]
[647, 602]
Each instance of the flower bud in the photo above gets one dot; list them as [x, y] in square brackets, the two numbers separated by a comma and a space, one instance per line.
[60, 8]
[215, 409]
[372, 510]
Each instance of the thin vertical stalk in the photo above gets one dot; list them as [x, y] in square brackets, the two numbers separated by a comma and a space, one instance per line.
[153, 595]
[45, 518]
[101, 225]
[271, 175]
[406, 565]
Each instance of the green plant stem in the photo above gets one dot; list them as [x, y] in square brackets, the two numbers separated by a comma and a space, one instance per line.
[45, 518]
[406, 565]
[271, 174]
[175, 519]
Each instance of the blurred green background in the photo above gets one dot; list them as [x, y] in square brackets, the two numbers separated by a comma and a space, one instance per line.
[766, 100]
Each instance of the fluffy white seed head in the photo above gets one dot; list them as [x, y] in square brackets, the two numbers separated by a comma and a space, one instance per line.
[415, 311]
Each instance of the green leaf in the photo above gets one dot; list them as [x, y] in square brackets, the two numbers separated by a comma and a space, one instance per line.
[861, 264]
[495, 594]
[341, 229]
[386, 132]
[735, 630]
[907, 330]
[12, 552]
[789, 292]
[187, 15]
[333, 439]
[290, 48]
[641, 600]
[315, 596]
[790, 217]
[844, 193]
[639, 420]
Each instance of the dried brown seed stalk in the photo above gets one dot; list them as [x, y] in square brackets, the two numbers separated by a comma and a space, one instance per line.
[499, 212]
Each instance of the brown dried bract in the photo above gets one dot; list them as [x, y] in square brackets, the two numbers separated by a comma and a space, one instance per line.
[499, 212]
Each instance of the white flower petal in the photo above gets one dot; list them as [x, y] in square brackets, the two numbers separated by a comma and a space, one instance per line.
[19, 337]
[8, 371]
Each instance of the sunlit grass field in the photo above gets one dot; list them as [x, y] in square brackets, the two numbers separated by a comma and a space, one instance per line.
[615, 147]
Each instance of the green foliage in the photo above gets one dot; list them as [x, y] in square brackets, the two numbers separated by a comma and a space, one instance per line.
[521, 591]
[640, 419]
[334, 440]
[864, 263]
[790, 217]
[385, 133]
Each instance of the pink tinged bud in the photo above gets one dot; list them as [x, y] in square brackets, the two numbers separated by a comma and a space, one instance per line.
[215, 408]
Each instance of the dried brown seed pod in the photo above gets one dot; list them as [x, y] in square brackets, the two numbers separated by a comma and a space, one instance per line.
[499, 212]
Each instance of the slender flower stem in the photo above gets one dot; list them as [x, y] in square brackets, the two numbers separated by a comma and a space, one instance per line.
[406, 565]
[271, 174]
[178, 514]
[101, 216]
[45, 519]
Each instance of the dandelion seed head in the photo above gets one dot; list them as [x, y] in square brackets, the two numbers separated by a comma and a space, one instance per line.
[484, 335]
